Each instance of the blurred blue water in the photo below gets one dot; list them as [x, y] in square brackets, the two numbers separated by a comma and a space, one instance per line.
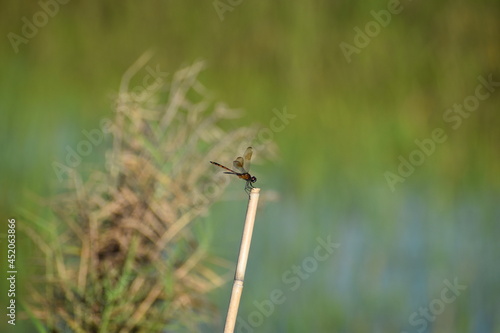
[389, 265]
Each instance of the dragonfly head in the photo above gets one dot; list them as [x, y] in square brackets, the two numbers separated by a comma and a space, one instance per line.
[253, 179]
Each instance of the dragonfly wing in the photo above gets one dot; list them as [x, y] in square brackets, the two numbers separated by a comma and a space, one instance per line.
[238, 164]
[248, 157]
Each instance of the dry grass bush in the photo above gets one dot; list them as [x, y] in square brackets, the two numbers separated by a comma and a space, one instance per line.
[120, 253]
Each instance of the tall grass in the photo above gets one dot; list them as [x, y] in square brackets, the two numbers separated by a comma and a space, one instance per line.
[120, 254]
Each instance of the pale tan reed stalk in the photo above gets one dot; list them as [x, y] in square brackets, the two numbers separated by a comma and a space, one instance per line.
[239, 276]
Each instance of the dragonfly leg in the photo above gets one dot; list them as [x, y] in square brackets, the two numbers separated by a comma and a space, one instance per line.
[248, 187]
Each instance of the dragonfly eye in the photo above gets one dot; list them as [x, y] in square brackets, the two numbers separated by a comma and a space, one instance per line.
[253, 179]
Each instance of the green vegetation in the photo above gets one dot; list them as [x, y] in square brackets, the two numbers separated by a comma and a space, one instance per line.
[354, 122]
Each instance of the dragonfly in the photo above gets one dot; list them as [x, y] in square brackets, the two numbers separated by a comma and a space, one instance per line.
[242, 164]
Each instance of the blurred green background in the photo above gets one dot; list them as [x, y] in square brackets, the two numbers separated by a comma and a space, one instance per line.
[354, 117]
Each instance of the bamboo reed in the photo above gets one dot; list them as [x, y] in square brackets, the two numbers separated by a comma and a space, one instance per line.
[239, 276]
